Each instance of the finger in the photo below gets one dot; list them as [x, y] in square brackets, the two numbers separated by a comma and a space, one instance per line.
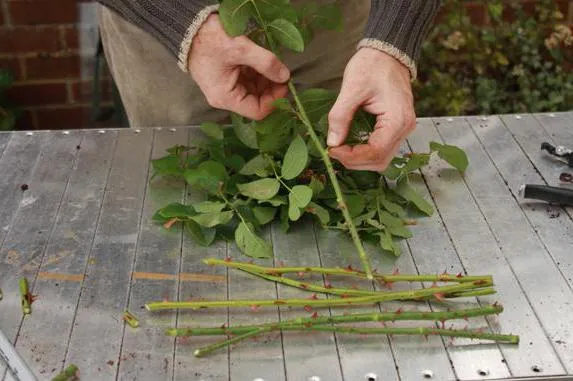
[378, 164]
[263, 61]
[383, 142]
[340, 117]
[254, 106]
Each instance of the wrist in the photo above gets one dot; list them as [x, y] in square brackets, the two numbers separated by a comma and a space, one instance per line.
[390, 55]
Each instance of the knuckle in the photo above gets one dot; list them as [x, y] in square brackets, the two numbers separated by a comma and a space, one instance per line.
[237, 51]
[271, 63]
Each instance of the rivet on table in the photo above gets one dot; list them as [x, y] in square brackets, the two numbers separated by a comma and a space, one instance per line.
[483, 372]
[137, 131]
[314, 378]
[450, 120]
[66, 132]
[427, 374]
[371, 377]
[552, 115]
[101, 132]
[159, 128]
[258, 379]
[172, 129]
[484, 118]
[518, 117]
[29, 133]
[536, 369]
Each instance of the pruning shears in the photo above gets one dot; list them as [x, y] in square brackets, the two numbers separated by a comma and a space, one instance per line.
[560, 152]
[556, 195]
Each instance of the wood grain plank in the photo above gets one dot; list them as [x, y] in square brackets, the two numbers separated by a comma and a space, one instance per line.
[359, 355]
[26, 241]
[104, 291]
[66, 255]
[305, 355]
[216, 366]
[434, 253]
[261, 357]
[480, 253]
[147, 353]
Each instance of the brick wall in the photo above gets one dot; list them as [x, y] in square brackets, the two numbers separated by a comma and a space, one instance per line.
[49, 47]
[40, 45]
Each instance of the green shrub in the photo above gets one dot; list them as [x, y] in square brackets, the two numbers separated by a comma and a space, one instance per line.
[501, 67]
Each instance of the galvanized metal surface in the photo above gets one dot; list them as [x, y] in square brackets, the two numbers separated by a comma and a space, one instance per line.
[83, 235]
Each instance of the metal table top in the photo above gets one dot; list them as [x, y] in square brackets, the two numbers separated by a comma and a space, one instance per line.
[83, 236]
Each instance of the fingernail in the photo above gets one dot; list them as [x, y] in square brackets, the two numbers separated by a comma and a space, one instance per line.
[333, 139]
[284, 74]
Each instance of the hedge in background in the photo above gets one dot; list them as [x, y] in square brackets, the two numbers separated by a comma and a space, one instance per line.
[522, 65]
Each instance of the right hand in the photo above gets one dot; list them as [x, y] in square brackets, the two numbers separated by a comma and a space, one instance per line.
[234, 73]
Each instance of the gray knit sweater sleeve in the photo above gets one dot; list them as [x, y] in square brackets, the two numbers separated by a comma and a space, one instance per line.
[396, 27]
[173, 22]
[399, 27]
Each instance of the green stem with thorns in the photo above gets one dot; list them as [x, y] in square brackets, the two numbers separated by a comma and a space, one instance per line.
[341, 319]
[347, 272]
[360, 300]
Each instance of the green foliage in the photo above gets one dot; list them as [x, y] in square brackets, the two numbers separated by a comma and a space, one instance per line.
[282, 176]
[9, 113]
[523, 65]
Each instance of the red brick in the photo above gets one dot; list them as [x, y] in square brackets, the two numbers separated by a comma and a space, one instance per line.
[477, 13]
[71, 38]
[25, 121]
[2, 18]
[82, 91]
[38, 94]
[53, 67]
[13, 65]
[63, 118]
[23, 40]
[34, 12]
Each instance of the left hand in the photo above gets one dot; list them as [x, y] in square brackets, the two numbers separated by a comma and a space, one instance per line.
[380, 84]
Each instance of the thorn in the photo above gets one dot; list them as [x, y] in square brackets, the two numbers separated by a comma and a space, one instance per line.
[389, 285]
[308, 308]
[439, 296]
[349, 268]
[354, 287]
[434, 285]
[459, 275]
[445, 273]
[480, 282]
[228, 260]
[313, 297]
[396, 272]
[304, 285]
[466, 318]
[224, 326]
[383, 324]
[327, 285]
[496, 304]
[281, 264]
[254, 308]
[399, 311]
[301, 274]
[314, 315]
[443, 324]
[344, 296]
[169, 224]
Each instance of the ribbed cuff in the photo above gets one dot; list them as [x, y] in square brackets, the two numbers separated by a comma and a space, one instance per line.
[399, 28]
[185, 47]
[385, 47]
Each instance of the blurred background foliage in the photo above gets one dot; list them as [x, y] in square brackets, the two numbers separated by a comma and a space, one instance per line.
[516, 62]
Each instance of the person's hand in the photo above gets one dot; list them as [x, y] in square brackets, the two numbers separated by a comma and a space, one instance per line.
[379, 84]
[234, 73]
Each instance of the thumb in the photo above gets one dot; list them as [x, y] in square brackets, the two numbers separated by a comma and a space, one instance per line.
[264, 62]
[340, 118]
